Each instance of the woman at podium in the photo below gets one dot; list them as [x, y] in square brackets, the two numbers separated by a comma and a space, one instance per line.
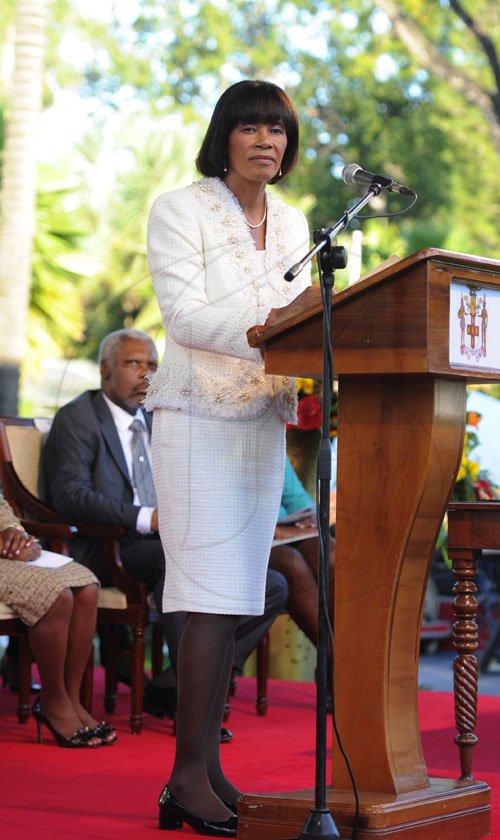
[218, 251]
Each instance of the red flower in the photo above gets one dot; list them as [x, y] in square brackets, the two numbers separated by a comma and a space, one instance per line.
[483, 490]
[309, 413]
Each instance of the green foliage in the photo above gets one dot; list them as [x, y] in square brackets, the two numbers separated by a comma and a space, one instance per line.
[468, 474]
[2, 135]
[374, 103]
[492, 389]
[148, 157]
[362, 95]
[62, 226]
[6, 18]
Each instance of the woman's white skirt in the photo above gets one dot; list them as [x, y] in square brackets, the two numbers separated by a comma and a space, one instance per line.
[219, 484]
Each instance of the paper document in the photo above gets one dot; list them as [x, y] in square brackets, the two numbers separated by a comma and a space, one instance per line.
[51, 560]
[298, 515]
[290, 533]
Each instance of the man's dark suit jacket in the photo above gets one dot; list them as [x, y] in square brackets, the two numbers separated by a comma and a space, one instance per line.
[86, 475]
[86, 478]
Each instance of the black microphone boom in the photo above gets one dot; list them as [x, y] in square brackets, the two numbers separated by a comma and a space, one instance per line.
[353, 174]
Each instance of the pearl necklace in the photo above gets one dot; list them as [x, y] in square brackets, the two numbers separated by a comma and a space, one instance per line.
[264, 217]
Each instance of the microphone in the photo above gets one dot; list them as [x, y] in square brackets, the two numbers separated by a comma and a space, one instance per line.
[353, 174]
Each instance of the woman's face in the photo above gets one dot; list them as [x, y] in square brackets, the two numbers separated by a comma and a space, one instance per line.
[255, 150]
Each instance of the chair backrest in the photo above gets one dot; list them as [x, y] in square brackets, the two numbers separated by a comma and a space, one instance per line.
[21, 444]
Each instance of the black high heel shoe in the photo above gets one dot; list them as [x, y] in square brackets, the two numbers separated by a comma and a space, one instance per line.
[104, 730]
[173, 815]
[81, 738]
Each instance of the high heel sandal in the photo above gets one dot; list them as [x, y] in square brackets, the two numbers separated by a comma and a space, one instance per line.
[81, 738]
[103, 730]
[173, 815]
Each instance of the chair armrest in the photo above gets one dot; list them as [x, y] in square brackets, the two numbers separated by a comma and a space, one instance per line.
[135, 590]
[109, 534]
[61, 530]
[15, 489]
[16, 492]
[100, 530]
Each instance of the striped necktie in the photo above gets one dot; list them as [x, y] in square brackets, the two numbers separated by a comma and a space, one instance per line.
[141, 469]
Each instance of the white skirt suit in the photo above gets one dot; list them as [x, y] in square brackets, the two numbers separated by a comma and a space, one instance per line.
[219, 421]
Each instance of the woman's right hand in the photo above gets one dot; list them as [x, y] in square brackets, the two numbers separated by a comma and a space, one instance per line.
[18, 545]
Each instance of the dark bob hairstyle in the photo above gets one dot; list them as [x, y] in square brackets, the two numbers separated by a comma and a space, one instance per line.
[246, 103]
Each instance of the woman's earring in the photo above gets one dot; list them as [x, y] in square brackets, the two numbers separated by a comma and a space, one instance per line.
[280, 173]
[225, 164]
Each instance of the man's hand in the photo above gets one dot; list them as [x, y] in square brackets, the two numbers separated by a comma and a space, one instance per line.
[18, 545]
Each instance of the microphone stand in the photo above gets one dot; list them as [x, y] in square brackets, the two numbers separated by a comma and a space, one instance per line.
[320, 824]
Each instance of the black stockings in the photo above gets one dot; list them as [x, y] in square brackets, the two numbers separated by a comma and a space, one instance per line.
[205, 660]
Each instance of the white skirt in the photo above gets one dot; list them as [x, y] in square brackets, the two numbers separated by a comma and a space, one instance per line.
[219, 484]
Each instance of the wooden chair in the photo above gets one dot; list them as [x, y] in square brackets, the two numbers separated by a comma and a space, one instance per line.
[473, 527]
[262, 675]
[11, 625]
[21, 442]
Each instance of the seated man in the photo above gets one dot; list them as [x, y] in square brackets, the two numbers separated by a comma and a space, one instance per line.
[97, 468]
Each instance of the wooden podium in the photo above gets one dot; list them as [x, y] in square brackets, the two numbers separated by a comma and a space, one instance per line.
[406, 340]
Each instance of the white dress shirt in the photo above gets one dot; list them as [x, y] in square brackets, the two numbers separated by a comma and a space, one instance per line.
[122, 420]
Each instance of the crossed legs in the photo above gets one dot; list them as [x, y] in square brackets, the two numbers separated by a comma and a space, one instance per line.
[298, 562]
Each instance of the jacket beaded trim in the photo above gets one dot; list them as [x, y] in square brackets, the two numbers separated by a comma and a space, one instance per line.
[212, 285]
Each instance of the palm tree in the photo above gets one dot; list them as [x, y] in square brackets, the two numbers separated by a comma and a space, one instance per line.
[18, 192]
[60, 268]
[150, 155]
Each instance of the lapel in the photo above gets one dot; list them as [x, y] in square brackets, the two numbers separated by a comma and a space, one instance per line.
[231, 234]
[110, 434]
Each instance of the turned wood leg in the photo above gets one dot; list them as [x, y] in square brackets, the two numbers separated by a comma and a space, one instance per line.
[109, 659]
[156, 649]
[137, 687]
[262, 675]
[465, 666]
[23, 707]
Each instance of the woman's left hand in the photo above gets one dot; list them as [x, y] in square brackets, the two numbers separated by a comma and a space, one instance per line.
[18, 545]
[308, 298]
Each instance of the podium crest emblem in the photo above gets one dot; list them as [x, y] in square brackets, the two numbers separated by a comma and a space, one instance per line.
[473, 318]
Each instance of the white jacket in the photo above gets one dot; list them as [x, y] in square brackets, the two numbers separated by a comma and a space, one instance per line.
[211, 286]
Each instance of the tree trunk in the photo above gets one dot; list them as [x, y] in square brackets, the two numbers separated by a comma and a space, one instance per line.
[18, 193]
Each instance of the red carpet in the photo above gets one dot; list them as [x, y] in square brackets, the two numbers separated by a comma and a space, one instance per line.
[47, 792]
